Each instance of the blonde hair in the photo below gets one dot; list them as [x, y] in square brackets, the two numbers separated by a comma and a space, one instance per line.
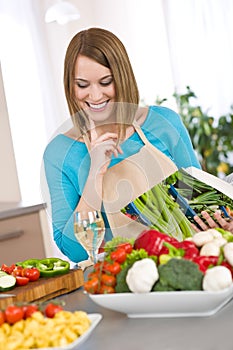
[106, 49]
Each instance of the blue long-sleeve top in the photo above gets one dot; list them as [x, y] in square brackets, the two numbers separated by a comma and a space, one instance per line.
[67, 162]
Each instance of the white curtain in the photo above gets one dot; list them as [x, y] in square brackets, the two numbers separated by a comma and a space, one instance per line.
[200, 38]
[29, 90]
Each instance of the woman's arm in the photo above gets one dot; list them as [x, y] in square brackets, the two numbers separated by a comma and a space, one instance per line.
[63, 196]
[184, 153]
[68, 195]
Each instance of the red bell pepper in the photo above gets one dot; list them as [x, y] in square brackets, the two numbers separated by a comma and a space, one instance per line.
[173, 252]
[152, 241]
[205, 262]
[190, 249]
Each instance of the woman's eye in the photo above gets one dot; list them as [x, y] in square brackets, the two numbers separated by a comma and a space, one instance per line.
[106, 82]
[81, 85]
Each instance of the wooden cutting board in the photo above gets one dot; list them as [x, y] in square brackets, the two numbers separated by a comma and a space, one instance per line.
[44, 288]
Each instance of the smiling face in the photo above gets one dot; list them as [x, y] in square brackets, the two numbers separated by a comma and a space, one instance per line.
[94, 89]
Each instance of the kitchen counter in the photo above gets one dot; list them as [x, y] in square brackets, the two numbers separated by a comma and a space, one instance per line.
[116, 331]
[23, 231]
[10, 209]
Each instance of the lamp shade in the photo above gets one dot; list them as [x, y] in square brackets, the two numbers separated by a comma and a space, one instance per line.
[62, 13]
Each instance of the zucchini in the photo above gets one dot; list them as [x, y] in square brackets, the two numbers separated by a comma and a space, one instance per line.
[7, 282]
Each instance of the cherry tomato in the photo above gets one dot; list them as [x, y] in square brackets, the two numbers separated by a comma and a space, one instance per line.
[118, 255]
[2, 317]
[98, 266]
[28, 310]
[32, 273]
[108, 280]
[13, 314]
[51, 310]
[93, 274]
[104, 289]
[21, 281]
[91, 286]
[126, 246]
[113, 268]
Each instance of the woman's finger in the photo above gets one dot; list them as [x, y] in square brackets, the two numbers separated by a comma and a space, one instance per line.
[201, 223]
[109, 147]
[119, 149]
[195, 227]
[208, 218]
[107, 136]
[222, 222]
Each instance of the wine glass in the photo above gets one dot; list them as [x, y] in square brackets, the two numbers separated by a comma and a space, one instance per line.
[89, 231]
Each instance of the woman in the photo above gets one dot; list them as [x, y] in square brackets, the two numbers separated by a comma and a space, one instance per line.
[103, 100]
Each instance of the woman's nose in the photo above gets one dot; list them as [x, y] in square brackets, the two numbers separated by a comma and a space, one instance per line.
[95, 93]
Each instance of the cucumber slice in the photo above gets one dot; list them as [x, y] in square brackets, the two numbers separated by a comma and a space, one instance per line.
[2, 273]
[7, 282]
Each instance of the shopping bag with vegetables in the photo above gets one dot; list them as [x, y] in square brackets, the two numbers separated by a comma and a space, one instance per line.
[170, 205]
[138, 195]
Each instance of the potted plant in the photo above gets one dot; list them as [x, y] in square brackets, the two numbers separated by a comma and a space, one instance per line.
[211, 137]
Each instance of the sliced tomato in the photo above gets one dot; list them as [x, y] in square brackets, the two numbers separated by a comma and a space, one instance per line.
[18, 271]
[21, 281]
[7, 269]
[32, 273]
[13, 314]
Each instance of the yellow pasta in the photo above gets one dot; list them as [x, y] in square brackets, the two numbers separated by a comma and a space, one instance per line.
[38, 331]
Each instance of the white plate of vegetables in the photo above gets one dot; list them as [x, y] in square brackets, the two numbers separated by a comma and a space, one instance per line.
[165, 304]
[160, 277]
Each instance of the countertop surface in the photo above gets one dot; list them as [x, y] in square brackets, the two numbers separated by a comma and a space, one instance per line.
[11, 209]
[116, 331]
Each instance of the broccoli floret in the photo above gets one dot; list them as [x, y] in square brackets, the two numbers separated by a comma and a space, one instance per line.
[121, 285]
[179, 274]
[158, 287]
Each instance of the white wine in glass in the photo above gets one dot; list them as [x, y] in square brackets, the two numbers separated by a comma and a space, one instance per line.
[89, 231]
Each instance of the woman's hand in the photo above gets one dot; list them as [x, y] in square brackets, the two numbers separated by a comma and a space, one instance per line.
[210, 223]
[102, 149]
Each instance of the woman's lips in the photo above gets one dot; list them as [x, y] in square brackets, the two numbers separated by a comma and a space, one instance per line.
[97, 107]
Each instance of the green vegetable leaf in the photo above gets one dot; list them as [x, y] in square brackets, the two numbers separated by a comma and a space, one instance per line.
[111, 245]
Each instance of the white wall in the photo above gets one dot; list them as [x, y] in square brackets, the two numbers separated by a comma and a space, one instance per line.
[9, 185]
